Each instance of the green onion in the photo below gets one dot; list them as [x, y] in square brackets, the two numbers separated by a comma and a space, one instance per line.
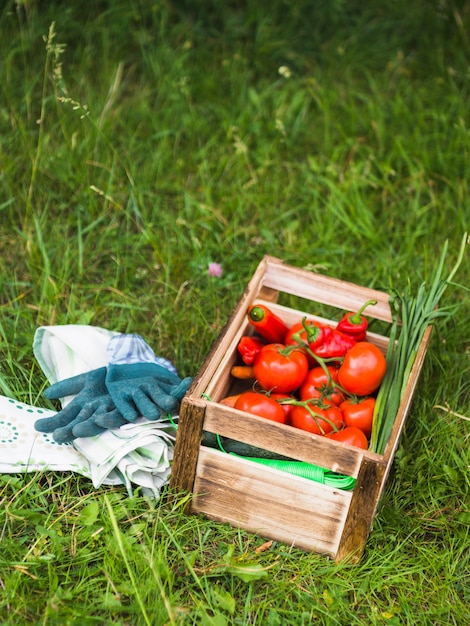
[411, 315]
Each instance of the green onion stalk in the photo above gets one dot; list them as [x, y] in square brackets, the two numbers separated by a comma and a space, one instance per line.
[411, 315]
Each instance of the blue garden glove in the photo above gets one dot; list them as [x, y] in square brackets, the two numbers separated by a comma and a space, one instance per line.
[145, 390]
[91, 412]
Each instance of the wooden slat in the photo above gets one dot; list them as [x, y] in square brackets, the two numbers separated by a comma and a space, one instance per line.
[361, 511]
[269, 502]
[285, 440]
[187, 446]
[324, 289]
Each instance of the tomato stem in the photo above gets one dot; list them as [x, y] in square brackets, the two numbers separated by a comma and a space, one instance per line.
[307, 404]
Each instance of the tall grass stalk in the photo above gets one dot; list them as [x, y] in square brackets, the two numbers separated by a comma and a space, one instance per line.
[41, 121]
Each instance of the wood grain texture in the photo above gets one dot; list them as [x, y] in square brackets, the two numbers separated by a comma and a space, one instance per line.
[269, 502]
[324, 289]
[282, 439]
[187, 446]
[361, 511]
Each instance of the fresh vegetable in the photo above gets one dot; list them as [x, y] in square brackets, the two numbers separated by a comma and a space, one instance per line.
[280, 368]
[248, 347]
[225, 444]
[355, 324]
[412, 314]
[325, 341]
[350, 435]
[229, 400]
[320, 384]
[243, 372]
[267, 324]
[298, 333]
[359, 412]
[262, 405]
[316, 419]
[362, 369]
[283, 399]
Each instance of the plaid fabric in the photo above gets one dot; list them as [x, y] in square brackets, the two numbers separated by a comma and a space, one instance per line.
[131, 348]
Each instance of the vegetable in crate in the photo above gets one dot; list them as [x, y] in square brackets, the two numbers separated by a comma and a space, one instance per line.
[262, 405]
[320, 383]
[351, 435]
[359, 412]
[412, 314]
[363, 369]
[297, 335]
[266, 323]
[280, 368]
[248, 347]
[318, 419]
[355, 324]
[325, 341]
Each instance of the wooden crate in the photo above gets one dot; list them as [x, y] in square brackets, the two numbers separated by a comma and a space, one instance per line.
[268, 501]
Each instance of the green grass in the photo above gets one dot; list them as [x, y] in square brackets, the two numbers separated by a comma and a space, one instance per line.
[141, 140]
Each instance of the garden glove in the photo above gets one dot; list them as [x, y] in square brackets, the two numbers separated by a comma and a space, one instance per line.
[88, 414]
[145, 390]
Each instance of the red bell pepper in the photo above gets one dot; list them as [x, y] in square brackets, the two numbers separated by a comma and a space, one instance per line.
[332, 343]
[327, 342]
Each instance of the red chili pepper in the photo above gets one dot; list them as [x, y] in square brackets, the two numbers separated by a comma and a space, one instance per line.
[355, 324]
[267, 323]
[327, 342]
[248, 347]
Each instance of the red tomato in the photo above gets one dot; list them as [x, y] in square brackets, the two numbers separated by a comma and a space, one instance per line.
[318, 385]
[262, 405]
[320, 422]
[280, 369]
[286, 407]
[359, 413]
[351, 435]
[363, 369]
[298, 328]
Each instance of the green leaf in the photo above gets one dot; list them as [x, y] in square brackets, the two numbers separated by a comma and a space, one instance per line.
[111, 602]
[248, 571]
[89, 514]
[327, 597]
[215, 619]
[223, 599]
[229, 554]
[451, 473]
[464, 518]
[273, 618]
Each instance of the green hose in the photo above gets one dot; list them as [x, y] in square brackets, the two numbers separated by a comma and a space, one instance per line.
[297, 468]
[309, 471]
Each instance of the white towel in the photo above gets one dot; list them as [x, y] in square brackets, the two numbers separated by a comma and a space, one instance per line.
[137, 454]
